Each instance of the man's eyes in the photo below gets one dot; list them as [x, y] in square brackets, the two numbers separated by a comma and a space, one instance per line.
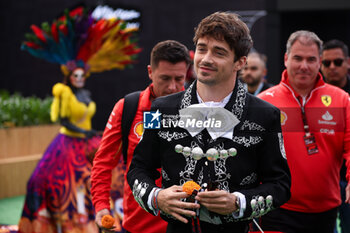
[201, 49]
[298, 58]
[309, 59]
[165, 78]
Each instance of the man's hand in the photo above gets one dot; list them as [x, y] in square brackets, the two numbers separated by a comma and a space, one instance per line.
[347, 193]
[100, 215]
[218, 201]
[169, 201]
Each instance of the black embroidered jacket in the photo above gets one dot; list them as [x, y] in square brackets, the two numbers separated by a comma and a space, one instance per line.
[257, 171]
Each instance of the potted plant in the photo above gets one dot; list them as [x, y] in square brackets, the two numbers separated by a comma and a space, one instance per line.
[25, 132]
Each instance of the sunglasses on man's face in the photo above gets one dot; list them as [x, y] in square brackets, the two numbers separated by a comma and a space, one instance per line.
[337, 62]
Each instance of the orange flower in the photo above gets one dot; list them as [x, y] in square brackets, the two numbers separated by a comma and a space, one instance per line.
[189, 186]
[107, 221]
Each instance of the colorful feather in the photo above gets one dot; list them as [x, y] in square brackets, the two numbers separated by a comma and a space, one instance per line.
[54, 31]
[103, 44]
[38, 32]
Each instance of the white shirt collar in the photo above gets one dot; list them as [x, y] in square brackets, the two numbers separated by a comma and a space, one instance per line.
[213, 103]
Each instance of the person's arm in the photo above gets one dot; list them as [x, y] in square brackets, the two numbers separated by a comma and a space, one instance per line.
[143, 168]
[347, 193]
[106, 158]
[60, 108]
[275, 181]
[219, 201]
[143, 173]
[169, 201]
[66, 123]
[141, 178]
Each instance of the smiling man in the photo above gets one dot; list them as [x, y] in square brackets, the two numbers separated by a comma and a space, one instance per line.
[316, 130]
[241, 168]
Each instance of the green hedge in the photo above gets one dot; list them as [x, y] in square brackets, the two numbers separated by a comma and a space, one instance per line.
[16, 110]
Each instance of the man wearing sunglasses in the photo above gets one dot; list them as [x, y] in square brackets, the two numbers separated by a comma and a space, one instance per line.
[336, 63]
[335, 66]
[316, 130]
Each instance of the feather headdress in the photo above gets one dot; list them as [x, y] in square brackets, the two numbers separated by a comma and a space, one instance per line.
[78, 40]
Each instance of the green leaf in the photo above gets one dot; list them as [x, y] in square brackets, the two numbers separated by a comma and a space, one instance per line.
[23, 111]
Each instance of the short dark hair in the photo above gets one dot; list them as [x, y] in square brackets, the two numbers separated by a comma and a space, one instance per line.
[171, 51]
[335, 44]
[261, 56]
[229, 27]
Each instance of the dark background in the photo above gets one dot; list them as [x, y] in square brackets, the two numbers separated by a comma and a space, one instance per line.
[160, 20]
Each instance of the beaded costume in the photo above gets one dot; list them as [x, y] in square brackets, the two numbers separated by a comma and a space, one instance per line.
[58, 193]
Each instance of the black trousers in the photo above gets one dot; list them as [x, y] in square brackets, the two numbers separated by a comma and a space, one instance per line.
[298, 222]
[238, 227]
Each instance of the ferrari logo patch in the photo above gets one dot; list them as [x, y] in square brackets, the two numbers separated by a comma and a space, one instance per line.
[326, 100]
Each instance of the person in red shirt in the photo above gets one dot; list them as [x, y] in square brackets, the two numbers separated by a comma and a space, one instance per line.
[315, 119]
[169, 64]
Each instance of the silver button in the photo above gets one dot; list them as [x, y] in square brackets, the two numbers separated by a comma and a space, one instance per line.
[223, 154]
[197, 153]
[232, 152]
[178, 148]
[186, 151]
[212, 154]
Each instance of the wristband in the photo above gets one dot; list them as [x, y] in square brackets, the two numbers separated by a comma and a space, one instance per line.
[154, 199]
[238, 204]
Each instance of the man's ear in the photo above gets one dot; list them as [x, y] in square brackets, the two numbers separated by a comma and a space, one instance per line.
[242, 61]
[347, 60]
[285, 59]
[149, 69]
[265, 72]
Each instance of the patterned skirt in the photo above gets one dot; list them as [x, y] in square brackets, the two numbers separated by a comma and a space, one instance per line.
[58, 192]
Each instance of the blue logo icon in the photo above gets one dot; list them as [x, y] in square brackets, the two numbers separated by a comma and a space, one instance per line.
[151, 120]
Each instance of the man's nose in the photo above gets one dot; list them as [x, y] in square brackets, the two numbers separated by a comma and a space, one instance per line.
[332, 65]
[304, 64]
[207, 58]
[172, 86]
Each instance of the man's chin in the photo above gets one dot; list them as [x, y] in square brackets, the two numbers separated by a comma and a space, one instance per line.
[168, 93]
[206, 80]
[252, 82]
[249, 83]
[333, 78]
[334, 81]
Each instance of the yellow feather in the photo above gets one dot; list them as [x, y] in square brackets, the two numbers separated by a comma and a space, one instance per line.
[111, 55]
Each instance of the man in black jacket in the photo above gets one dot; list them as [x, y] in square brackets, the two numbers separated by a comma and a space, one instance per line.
[228, 142]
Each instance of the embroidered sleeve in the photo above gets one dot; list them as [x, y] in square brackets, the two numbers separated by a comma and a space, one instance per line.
[274, 174]
[143, 171]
